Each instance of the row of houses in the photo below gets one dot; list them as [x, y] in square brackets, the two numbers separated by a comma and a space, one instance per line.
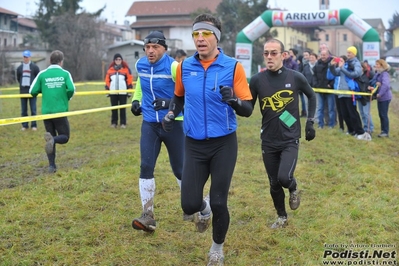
[173, 18]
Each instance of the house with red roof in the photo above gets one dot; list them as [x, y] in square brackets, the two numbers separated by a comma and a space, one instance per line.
[173, 18]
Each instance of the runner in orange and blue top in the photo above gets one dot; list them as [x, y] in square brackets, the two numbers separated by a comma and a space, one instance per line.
[213, 88]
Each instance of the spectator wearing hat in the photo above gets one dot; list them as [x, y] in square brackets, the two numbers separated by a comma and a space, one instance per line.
[26, 73]
[348, 71]
[153, 91]
[118, 77]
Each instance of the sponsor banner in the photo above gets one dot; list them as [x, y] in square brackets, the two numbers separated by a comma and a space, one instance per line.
[305, 19]
[244, 56]
[255, 29]
[357, 25]
[371, 52]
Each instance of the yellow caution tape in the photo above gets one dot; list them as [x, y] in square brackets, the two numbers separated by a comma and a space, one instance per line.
[9, 89]
[76, 85]
[342, 92]
[16, 120]
[76, 93]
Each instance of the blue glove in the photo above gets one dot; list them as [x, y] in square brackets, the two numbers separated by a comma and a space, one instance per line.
[228, 95]
[161, 103]
[167, 122]
[136, 108]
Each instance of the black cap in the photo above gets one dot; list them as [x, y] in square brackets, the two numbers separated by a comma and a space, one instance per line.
[158, 36]
[118, 56]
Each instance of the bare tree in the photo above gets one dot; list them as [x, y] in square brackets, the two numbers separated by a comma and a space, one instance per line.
[77, 36]
[65, 26]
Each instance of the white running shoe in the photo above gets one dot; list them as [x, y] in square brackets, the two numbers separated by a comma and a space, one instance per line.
[364, 136]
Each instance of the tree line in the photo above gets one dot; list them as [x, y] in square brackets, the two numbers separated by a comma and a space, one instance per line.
[66, 26]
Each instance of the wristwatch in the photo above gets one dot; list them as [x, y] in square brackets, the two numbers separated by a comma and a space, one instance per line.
[169, 117]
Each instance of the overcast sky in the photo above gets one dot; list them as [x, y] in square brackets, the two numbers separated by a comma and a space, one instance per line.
[116, 10]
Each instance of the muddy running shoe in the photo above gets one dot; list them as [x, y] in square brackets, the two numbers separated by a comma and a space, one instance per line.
[146, 222]
[215, 258]
[295, 200]
[188, 217]
[49, 146]
[280, 223]
[52, 169]
[202, 221]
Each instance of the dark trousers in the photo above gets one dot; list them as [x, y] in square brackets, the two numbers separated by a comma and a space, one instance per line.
[118, 99]
[152, 136]
[350, 115]
[216, 158]
[383, 108]
[339, 113]
[59, 129]
[303, 104]
[24, 110]
[280, 163]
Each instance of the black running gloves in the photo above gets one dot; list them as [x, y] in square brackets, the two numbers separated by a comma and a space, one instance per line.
[310, 133]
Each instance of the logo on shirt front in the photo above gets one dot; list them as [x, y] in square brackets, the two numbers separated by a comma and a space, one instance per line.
[278, 101]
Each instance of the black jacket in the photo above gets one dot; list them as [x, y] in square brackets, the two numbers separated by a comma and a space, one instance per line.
[34, 71]
[320, 75]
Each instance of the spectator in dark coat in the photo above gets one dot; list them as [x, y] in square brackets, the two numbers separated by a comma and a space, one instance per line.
[307, 71]
[26, 73]
[320, 81]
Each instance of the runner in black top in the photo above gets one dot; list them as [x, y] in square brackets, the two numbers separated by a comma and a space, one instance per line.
[277, 90]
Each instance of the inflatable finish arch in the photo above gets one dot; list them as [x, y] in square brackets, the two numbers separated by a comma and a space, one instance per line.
[272, 18]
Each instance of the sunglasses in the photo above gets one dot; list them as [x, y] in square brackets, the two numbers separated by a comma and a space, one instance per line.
[152, 40]
[205, 33]
[272, 53]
